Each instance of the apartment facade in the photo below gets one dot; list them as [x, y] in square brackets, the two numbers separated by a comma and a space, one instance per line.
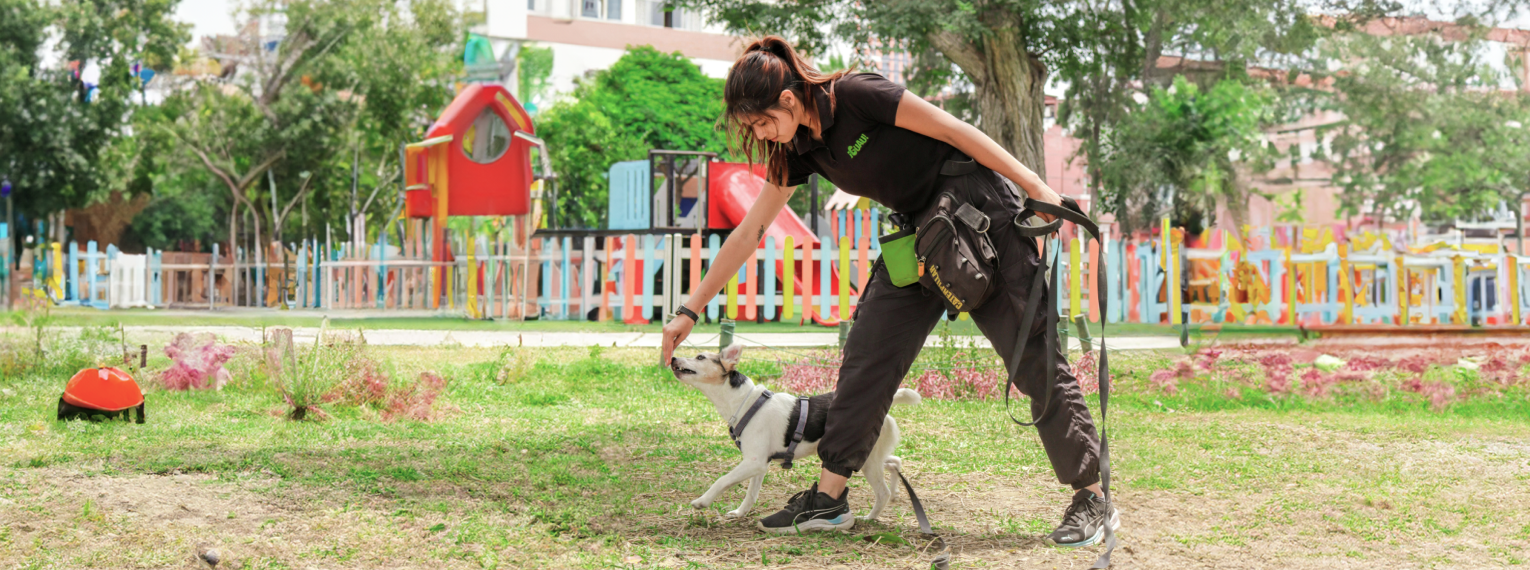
[590, 35]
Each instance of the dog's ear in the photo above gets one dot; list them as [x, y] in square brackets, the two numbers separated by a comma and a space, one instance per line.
[729, 356]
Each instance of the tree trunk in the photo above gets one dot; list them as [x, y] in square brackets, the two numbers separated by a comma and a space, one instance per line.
[1007, 84]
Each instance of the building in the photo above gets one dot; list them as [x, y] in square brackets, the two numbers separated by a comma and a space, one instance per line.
[590, 35]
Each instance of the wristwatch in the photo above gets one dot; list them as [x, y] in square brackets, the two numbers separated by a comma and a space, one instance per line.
[682, 310]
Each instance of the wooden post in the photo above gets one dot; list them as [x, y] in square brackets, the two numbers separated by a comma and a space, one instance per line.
[863, 246]
[1512, 264]
[752, 285]
[807, 279]
[1462, 314]
[1290, 292]
[607, 283]
[650, 266]
[695, 265]
[713, 242]
[732, 311]
[1402, 292]
[788, 280]
[825, 272]
[1075, 278]
[844, 279]
[629, 279]
[769, 276]
[1346, 288]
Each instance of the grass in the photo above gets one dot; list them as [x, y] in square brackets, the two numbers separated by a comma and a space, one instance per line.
[381, 320]
[587, 458]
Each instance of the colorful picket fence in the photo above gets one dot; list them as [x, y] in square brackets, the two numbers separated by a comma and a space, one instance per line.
[1284, 275]
[1298, 276]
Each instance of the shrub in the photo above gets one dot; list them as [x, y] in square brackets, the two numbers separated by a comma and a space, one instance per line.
[197, 358]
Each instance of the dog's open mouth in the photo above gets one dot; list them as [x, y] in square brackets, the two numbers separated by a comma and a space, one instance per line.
[679, 370]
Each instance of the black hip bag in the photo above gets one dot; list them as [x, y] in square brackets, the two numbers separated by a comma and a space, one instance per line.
[955, 256]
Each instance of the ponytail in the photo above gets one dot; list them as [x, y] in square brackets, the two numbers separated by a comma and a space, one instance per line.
[768, 67]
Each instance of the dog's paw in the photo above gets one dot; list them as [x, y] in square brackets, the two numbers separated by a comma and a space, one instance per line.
[735, 513]
[701, 503]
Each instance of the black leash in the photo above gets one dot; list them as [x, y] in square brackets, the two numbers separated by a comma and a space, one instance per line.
[1070, 212]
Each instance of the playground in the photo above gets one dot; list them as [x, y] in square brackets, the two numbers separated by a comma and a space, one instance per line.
[461, 370]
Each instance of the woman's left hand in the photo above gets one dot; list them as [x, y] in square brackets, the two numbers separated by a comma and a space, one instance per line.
[1043, 193]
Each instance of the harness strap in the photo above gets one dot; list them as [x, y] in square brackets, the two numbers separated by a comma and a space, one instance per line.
[791, 448]
[738, 428]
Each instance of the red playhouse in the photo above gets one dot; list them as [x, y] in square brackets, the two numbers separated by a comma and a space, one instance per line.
[475, 161]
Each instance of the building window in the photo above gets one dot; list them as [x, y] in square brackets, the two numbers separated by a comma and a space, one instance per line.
[612, 9]
[653, 13]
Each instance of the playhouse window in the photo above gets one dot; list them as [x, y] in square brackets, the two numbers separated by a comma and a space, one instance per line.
[487, 138]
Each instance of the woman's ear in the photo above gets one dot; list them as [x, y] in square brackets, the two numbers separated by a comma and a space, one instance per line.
[788, 101]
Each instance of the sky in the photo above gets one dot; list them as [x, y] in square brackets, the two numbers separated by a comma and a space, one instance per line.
[207, 17]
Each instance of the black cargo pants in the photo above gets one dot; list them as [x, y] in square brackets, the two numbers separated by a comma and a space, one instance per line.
[892, 323]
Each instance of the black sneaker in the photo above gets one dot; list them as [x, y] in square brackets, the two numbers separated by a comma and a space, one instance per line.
[1084, 522]
[809, 511]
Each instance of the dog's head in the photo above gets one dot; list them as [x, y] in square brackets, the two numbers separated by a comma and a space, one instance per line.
[710, 369]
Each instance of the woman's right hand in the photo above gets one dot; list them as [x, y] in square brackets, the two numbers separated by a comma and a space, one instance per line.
[675, 331]
[841, 200]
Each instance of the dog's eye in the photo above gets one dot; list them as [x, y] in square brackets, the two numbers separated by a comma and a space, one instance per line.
[701, 357]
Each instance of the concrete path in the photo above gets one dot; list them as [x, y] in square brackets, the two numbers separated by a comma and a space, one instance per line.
[397, 337]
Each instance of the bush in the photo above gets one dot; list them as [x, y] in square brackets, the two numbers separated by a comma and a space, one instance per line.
[197, 358]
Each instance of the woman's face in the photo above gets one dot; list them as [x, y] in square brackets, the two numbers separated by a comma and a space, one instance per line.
[778, 124]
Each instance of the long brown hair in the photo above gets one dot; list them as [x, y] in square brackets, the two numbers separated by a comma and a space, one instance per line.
[768, 67]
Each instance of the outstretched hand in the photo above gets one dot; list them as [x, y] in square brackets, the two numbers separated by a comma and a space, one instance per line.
[675, 331]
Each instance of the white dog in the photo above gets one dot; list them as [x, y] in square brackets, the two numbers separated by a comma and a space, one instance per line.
[768, 433]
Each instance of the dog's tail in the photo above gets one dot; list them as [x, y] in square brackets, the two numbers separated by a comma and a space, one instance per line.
[907, 397]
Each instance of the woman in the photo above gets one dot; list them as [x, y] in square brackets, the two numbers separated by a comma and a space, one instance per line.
[872, 138]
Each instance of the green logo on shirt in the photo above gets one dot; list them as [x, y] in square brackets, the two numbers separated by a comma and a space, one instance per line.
[856, 148]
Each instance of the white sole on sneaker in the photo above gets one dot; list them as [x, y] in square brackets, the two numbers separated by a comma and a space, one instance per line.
[1115, 525]
[840, 523]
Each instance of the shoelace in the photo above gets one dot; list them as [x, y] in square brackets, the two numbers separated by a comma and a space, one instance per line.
[799, 500]
[1080, 511]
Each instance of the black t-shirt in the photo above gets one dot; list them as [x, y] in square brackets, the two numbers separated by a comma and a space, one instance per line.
[862, 151]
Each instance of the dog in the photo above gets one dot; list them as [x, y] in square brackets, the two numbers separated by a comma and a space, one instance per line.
[768, 432]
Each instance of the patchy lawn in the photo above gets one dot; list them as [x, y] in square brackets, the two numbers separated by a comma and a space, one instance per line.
[589, 458]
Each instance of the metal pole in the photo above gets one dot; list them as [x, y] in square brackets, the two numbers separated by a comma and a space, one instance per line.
[813, 203]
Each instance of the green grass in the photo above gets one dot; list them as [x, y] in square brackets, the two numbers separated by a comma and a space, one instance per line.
[590, 457]
[382, 320]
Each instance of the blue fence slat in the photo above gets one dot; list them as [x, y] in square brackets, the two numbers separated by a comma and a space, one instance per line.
[712, 242]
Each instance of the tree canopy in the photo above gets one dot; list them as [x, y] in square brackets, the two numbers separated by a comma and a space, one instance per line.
[56, 128]
[647, 99]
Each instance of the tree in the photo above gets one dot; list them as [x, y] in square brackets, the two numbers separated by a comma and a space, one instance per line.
[350, 80]
[1426, 130]
[55, 128]
[1180, 152]
[647, 99]
[1005, 48]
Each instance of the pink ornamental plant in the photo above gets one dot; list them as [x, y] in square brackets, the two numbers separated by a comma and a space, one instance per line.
[198, 359]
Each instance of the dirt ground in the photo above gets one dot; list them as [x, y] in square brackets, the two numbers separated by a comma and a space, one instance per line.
[156, 521]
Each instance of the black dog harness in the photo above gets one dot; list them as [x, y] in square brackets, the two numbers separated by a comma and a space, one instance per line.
[791, 448]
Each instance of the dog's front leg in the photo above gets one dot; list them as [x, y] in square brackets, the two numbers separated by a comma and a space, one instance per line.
[749, 497]
[749, 468]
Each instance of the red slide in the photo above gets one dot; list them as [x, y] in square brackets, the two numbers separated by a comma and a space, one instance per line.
[732, 189]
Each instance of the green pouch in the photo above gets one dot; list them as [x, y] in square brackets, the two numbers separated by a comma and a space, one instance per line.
[899, 258]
